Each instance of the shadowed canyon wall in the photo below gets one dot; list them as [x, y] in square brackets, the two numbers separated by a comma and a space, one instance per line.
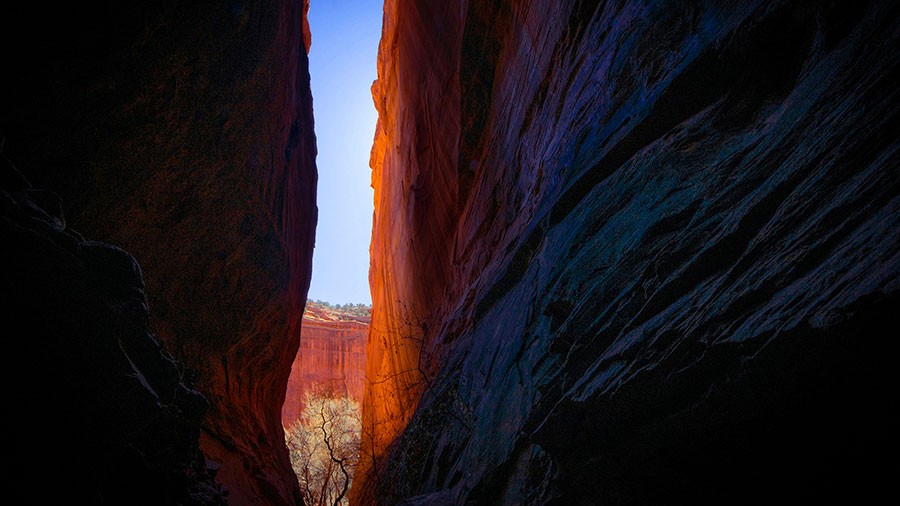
[183, 133]
[633, 253]
[95, 396]
[332, 357]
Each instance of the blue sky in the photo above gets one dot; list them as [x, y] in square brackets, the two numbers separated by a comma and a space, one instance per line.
[342, 66]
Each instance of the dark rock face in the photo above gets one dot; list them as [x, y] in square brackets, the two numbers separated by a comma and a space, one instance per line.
[95, 404]
[182, 132]
[672, 263]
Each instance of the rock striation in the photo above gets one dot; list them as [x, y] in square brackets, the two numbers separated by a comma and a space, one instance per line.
[633, 253]
[414, 179]
[332, 356]
[183, 133]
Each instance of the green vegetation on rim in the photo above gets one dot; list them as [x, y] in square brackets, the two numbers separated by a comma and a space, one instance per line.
[349, 308]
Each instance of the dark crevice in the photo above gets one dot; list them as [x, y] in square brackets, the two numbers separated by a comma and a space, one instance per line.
[796, 423]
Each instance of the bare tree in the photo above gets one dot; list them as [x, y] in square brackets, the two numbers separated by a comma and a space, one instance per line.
[324, 447]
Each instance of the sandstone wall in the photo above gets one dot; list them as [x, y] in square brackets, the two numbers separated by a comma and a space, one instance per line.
[332, 356]
[414, 176]
[182, 132]
[648, 246]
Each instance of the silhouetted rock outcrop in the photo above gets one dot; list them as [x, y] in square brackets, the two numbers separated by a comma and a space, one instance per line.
[95, 406]
[652, 249]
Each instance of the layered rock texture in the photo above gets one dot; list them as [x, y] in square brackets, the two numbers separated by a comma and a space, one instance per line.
[182, 132]
[331, 359]
[634, 253]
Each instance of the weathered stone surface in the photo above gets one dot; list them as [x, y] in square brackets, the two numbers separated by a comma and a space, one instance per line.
[95, 408]
[182, 131]
[414, 182]
[653, 249]
[332, 356]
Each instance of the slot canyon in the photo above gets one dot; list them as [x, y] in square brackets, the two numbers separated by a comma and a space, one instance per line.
[623, 253]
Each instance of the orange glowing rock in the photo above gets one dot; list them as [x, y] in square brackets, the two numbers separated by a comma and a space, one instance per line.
[415, 207]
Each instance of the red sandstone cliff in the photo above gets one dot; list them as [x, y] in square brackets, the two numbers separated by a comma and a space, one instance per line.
[414, 176]
[332, 355]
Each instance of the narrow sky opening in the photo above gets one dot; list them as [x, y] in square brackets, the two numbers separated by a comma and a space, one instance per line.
[342, 66]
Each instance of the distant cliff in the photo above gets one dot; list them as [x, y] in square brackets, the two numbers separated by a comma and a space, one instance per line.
[332, 356]
[645, 252]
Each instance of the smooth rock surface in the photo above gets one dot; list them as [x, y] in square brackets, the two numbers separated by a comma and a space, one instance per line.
[652, 248]
[182, 132]
[415, 206]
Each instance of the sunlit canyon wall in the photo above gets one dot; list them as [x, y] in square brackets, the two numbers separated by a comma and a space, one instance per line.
[181, 132]
[331, 359]
[652, 248]
[415, 206]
